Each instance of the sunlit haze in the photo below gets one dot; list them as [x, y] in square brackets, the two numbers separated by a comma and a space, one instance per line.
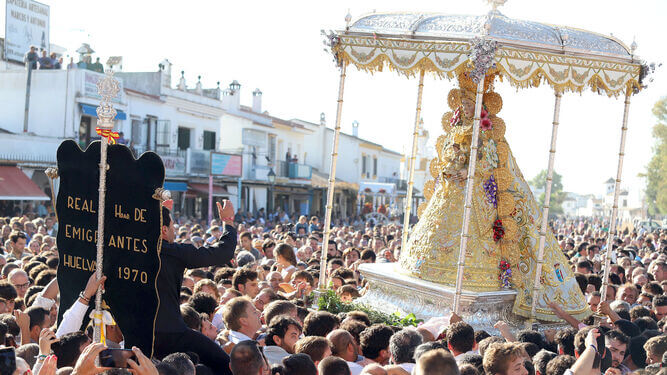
[276, 46]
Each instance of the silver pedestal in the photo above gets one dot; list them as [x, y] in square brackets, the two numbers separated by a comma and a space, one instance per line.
[389, 292]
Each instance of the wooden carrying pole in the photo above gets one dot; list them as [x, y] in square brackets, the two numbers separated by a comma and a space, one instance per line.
[614, 209]
[413, 156]
[472, 161]
[332, 182]
[537, 285]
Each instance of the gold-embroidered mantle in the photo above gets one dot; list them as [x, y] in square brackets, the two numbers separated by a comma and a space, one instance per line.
[432, 250]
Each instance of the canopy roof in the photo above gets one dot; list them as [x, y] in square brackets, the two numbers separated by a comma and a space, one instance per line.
[528, 52]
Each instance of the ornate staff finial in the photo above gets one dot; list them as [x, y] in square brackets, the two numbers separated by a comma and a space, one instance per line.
[107, 88]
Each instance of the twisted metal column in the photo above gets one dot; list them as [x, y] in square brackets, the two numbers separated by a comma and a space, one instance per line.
[107, 88]
[332, 181]
[472, 161]
[617, 192]
[413, 155]
[97, 333]
[545, 209]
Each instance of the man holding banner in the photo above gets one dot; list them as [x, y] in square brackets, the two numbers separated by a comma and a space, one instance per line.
[172, 335]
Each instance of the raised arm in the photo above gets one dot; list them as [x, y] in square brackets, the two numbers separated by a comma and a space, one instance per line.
[584, 363]
[218, 254]
[564, 315]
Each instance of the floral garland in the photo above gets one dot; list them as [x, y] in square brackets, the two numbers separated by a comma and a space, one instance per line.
[490, 190]
[491, 154]
[484, 121]
[498, 230]
[505, 274]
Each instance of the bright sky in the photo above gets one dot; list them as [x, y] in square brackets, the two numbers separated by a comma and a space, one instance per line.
[277, 47]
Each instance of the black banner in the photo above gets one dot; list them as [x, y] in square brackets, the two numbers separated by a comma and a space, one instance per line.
[132, 228]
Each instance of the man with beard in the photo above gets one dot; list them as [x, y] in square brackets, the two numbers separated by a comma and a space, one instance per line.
[281, 336]
[617, 343]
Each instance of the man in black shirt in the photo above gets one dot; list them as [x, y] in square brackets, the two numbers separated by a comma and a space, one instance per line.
[171, 333]
[31, 58]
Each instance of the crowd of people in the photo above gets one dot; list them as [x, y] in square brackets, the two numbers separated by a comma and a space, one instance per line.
[40, 58]
[236, 299]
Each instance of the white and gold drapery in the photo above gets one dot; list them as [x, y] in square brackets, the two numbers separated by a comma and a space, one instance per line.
[520, 67]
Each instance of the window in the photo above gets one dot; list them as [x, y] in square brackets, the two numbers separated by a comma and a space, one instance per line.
[183, 138]
[137, 130]
[252, 137]
[272, 148]
[163, 135]
[363, 164]
[375, 166]
[209, 140]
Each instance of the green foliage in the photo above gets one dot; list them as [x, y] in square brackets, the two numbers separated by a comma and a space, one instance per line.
[557, 194]
[656, 170]
[330, 302]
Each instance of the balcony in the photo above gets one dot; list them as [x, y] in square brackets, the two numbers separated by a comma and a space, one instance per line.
[293, 170]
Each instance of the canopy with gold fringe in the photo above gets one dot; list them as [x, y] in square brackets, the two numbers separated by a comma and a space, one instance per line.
[529, 53]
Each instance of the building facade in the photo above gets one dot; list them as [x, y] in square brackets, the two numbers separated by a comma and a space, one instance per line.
[285, 162]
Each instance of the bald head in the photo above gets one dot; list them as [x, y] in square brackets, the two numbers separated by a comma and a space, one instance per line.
[341, 341]
[374, 369]
[19, 279]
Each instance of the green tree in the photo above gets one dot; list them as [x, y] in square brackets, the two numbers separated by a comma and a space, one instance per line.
[557, 194]
[656, 170]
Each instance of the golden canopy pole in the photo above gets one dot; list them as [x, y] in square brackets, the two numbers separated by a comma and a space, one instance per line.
[107, 88]
[472, 161]
[413, 156]
[545, 209]
[332, 181]
[617, 192]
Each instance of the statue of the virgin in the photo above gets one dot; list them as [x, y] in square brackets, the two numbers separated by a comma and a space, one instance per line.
[505, 217]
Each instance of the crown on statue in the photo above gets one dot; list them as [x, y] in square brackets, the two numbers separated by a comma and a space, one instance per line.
[468, 90]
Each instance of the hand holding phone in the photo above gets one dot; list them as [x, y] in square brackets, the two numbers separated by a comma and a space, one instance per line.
[116, 358]
[86, 362]
[143, 366]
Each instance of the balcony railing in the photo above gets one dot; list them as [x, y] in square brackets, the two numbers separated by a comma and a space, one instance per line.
[293, 170]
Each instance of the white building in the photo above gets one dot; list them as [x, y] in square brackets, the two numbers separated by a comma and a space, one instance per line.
[180, 124]
[630, 206]
[187, 127]
[267, 142]
[425, 153]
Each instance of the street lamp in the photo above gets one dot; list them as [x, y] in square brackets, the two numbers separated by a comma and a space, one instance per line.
[271, 176]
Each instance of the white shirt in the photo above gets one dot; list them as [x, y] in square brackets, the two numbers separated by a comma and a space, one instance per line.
[43, 302]
[408, 367]
[72, 319]
[355, 368]
[217, 321]
[286, 271]
[236, 337]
